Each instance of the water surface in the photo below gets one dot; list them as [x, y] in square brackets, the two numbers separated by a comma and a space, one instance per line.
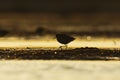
[59, 70]
[49, 41]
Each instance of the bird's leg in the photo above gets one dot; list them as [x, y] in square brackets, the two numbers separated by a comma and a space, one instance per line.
[60, 47]
[66, 47]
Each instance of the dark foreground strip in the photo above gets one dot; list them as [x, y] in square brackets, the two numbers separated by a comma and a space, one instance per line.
[73, 54]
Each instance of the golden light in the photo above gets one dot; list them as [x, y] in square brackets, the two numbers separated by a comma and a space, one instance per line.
[22, 43]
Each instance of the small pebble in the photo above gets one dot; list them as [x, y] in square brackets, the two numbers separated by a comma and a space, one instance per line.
[55, 52]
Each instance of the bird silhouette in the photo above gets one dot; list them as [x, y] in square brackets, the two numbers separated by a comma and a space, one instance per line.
[64, 39]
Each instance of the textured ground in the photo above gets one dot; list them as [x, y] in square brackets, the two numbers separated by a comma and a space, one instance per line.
[72, 54]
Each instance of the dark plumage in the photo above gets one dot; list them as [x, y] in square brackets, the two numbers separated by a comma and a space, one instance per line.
[64, 39]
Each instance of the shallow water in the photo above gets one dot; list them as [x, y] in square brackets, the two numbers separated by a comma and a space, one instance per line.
[59, 70]
[49, 42]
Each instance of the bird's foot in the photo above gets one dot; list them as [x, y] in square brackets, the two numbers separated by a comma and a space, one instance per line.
[63, 47]
[60, 48]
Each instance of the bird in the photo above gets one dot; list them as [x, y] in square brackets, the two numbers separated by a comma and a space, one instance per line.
[64, 39]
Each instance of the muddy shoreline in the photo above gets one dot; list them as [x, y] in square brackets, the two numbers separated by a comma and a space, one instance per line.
[72, 54]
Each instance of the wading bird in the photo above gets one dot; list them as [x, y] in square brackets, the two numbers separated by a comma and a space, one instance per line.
[64, 39]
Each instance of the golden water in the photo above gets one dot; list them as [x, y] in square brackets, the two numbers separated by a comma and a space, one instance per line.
[59, 70]
[13, 42]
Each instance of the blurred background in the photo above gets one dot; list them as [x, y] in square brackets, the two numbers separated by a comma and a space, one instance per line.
[76, 17]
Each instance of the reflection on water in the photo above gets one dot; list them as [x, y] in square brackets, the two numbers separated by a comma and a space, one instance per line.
[59, 70]
[51, 42]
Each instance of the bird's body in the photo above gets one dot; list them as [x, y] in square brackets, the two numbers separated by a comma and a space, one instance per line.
[64, 39]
